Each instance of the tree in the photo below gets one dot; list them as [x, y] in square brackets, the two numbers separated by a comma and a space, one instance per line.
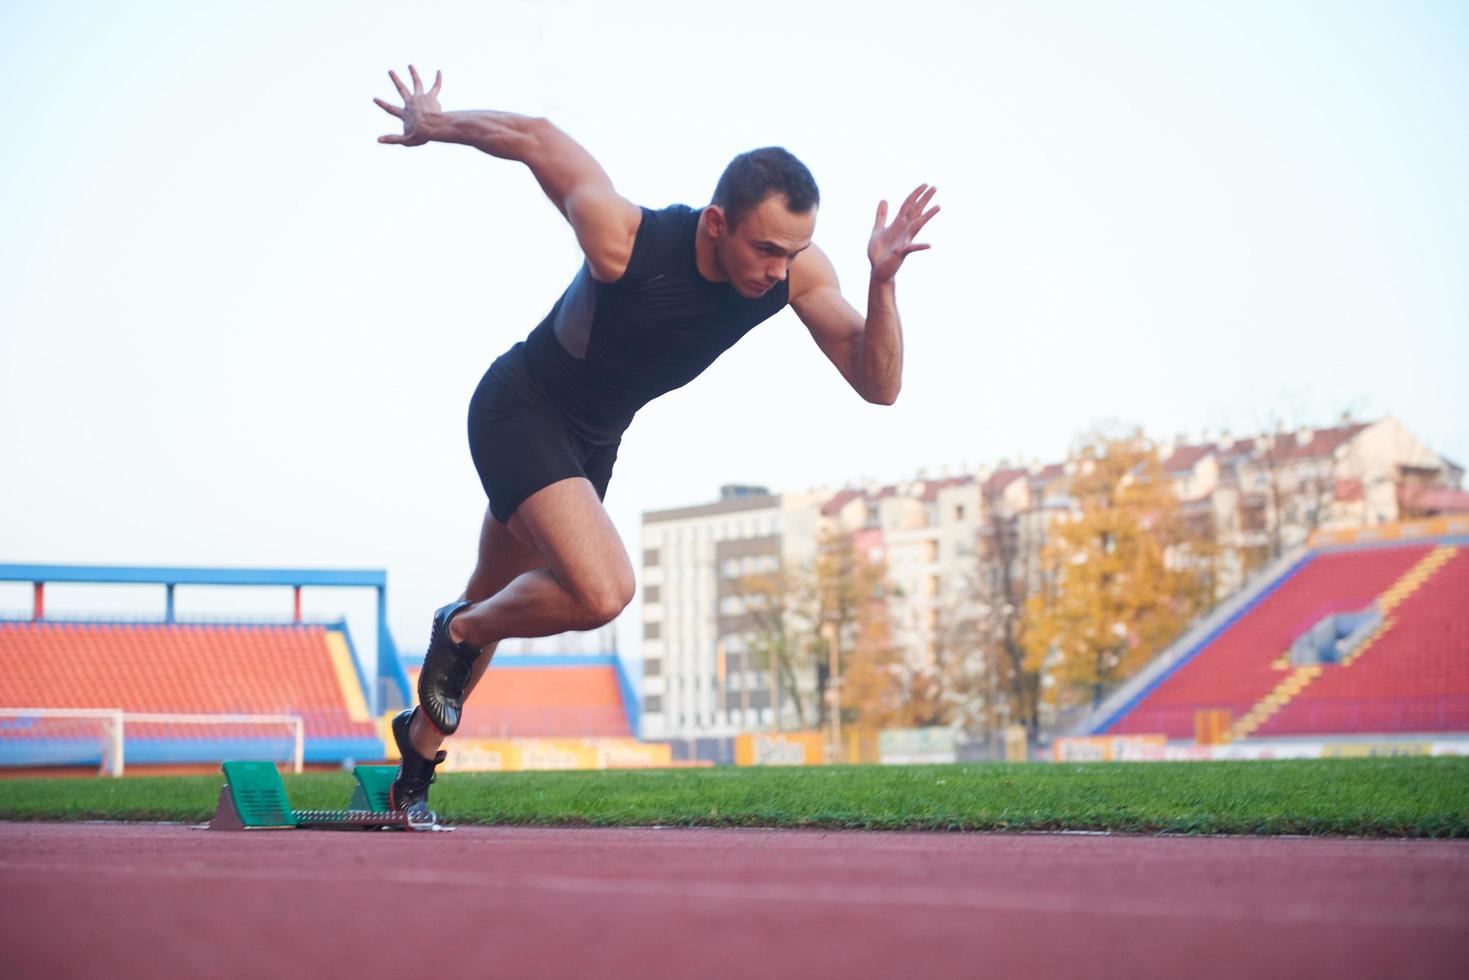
[785, 611]
[1118, 585]
[1003, 591]
[854, 599]
[775, 623]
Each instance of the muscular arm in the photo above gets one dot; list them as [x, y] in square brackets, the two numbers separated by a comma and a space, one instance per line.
[868, 351]
[605, 223]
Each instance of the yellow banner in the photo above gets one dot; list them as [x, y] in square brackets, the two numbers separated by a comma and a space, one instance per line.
[1363, 750]
[781, 749]
[632, 754]
[1109, 748]
[516, 754]
[521, 754]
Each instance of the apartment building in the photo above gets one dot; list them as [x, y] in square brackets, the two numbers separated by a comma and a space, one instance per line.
[1267, 493]
[698, 678]
[941, 542]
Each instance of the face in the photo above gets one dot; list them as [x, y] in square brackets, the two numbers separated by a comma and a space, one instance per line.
[757, 254]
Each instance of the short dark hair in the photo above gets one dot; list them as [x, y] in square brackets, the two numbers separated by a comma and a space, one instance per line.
[752, 177]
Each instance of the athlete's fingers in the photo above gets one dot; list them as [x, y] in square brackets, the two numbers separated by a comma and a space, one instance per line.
[402, 89]
[908, 204]
[390, 138]
[908, 250]
[438, 81]
[390, 108]
[417, 82]
[923, 219]
[923, 199]
[882, 214]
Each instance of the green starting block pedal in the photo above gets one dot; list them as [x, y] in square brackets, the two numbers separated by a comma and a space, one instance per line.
[254, 798]
[371, 792]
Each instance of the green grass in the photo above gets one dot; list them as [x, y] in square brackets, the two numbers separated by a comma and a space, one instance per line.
[1362, 797]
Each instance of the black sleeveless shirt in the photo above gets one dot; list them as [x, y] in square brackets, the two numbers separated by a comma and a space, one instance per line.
[607, 349]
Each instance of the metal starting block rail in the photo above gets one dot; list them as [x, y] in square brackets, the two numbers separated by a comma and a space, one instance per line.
[254, 798]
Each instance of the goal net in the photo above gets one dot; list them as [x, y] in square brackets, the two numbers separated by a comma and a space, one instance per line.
[110, 739]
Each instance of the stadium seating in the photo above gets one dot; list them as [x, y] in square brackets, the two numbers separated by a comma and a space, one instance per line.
[1405, 681]
[1414, 677]
[531, 697]
[302, 670]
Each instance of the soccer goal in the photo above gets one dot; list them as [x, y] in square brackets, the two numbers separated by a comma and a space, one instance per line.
[108, 738]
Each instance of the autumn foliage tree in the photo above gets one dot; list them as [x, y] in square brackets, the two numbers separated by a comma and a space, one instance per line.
[1118, 579]
[785, 613]
[777, 613]
[876, 687]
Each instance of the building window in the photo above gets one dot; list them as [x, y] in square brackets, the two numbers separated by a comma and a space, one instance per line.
[653, 668]
[958, 512]
[650, 556]
[652, 593]
[653, 704]
[652, 631]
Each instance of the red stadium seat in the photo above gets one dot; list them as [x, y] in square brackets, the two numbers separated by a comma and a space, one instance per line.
[1413, 677]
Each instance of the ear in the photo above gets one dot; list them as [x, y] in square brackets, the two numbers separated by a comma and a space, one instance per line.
[714, 221]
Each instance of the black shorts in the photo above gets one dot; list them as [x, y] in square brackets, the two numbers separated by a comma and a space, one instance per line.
[521, 445]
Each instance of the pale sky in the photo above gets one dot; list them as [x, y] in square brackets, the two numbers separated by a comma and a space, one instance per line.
[239, 331]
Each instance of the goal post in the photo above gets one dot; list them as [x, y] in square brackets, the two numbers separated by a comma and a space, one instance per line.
[73, 736]
[62, 737]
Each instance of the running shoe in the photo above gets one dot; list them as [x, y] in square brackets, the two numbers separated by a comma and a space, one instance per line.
[409, 792]
[445, 674]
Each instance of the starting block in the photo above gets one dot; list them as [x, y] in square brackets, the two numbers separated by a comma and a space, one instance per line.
[254, 798]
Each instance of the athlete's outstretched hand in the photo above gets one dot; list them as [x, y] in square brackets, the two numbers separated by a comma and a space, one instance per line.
[891, 243]
[416, 105]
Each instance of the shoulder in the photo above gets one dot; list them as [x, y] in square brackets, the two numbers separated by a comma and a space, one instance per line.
[811, 271]
[606, 226]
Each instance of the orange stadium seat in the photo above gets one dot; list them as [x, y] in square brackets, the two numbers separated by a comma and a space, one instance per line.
[555, 700]
[188, 669]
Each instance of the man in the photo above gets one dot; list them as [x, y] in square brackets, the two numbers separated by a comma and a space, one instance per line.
[660, 296]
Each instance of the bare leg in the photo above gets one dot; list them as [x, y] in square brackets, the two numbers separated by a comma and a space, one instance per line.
[502, 557]
[587, 582]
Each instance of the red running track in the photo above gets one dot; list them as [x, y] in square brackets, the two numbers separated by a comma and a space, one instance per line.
[90, 900]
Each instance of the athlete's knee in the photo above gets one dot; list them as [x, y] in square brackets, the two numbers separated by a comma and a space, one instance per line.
[605, 606]
[602, 601]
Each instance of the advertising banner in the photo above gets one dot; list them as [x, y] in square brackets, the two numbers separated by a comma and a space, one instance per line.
[915, 746]
[781, 749]
[1110, 748]
[519, 754]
